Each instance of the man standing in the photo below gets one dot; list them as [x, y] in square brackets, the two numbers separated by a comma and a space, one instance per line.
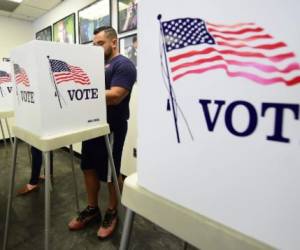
[120, 75]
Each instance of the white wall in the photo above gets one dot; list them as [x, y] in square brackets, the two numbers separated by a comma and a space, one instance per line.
[63, 10]
[13, 33]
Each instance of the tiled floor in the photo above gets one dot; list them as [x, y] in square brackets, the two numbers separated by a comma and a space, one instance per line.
[27, 224]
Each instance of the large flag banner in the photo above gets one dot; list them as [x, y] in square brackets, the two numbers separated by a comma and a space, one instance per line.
[219, 89]
[241, 49]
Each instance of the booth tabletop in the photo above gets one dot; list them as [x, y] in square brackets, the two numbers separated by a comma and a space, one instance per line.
[6, 113]
[49, 143]
[193, 228]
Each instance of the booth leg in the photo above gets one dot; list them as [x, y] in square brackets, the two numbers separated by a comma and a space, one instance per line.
[74, 178]
[3, 135]
[113, 168]
[47, 199]
[127, 228]
[8, 131]
[10, 193]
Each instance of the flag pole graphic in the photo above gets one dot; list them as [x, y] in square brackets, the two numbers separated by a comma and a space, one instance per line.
[169, 80]
[16, 84]
[53, 81]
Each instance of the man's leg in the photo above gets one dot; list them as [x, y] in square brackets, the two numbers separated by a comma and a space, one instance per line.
[91, 212]
[36, 165]
[113, 198]
[92, 186]
[89, 158]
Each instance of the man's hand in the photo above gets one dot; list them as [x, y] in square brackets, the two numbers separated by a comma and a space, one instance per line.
[115, 95]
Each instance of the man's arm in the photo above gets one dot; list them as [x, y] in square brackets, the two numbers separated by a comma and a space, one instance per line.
[115, 95]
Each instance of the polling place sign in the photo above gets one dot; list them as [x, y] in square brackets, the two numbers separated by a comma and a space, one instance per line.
[219, 112]
[59, 87]
[6, 88]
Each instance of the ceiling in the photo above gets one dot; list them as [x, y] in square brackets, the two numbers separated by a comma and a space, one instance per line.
[28, 10]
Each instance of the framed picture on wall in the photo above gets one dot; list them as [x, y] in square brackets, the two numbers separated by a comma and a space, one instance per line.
[127, 15]
[91, 17]
[64, 30]
[128, 47]
[44, 34]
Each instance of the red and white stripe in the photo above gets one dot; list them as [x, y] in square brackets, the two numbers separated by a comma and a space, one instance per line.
[242, 50]
[21, 78]
[76, 74]
[5, 79]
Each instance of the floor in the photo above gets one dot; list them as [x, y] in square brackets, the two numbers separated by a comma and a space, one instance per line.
[27, 223]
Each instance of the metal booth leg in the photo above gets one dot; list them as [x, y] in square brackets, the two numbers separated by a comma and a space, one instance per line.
[3, 135]
[113, 168]
[10, 193]
[127, 228]
[74, 178]
[8, 131]
[47, 199]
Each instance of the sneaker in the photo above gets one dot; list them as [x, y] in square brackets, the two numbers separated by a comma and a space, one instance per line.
[109, 224]
[87, 215]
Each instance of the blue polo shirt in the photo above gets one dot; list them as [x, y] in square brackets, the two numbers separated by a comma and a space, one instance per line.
[119, 72]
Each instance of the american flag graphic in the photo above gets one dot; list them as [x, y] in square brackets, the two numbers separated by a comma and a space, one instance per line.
[4, 77]
[63, 72]
[243, 50]
[21, 76]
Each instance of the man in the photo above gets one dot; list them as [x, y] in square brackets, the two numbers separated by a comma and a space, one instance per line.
[120, 75]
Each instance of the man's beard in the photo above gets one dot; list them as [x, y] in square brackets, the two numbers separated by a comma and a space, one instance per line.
[108, 54]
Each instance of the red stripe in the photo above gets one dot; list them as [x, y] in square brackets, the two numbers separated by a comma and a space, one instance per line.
[247, 39]
[237, 32]
[71, 78]
[246, 75]
[238, 25]
[262, 67]
[276, 58]
[244, 45]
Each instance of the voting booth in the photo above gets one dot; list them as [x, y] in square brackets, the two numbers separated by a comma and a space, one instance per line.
[59, 87]
[60, 100]
[6, 98]
[6, 87]
[218, 120]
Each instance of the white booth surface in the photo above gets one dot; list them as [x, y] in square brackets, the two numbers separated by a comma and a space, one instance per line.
[6, 88]
[218, 119]
[193, 228]
[60, 88]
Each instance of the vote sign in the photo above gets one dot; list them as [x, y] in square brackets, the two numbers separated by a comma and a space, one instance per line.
[219, 112]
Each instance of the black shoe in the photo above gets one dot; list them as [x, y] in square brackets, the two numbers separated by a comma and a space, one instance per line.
[109, 224]
[86, 216]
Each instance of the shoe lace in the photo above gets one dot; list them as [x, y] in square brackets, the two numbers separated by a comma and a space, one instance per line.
[108, 218]
[86, 213]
